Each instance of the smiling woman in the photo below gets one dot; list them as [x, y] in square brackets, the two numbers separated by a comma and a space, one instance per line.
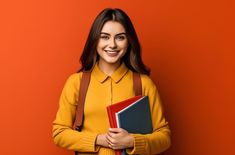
[112, 57]
[112, 45]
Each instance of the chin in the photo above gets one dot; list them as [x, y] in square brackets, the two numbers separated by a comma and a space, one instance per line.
[112, 61]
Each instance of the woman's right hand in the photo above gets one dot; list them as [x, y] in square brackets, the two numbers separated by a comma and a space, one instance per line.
[101, 140]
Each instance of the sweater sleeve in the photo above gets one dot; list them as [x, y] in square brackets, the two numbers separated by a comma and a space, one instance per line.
[63, 134]
[159, 140]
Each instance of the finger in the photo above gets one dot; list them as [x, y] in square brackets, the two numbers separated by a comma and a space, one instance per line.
[109, 139]
[113, 134]
[113, 146]
[118, 131]
[117, 147]
[110, 144]
[115, 130]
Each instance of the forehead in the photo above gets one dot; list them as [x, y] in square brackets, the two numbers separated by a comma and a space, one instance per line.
[113, 27]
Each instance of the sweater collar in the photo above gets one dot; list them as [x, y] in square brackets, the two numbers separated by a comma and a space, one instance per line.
[117, 75]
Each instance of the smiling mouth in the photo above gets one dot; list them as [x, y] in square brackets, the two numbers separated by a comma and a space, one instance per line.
[111, 53]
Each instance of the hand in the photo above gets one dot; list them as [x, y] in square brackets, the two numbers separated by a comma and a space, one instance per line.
[101, 140]
[119, 138]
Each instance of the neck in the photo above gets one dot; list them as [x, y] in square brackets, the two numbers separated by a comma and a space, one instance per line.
[108, 68]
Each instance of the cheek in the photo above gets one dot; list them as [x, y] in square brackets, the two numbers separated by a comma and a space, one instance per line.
[101, 44]
[123, 45]
[124, 50]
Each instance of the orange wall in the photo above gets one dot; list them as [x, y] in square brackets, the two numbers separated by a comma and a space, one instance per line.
[188, 45]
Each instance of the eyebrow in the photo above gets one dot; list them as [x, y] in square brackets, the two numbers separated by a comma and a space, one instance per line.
[116, 34]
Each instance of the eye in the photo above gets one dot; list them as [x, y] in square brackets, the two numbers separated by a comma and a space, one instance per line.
[105, 37]
[122, 37]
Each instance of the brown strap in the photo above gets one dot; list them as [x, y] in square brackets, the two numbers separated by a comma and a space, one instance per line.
[81, 100]
[137, 84]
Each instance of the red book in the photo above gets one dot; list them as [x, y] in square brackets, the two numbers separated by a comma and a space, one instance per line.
[114, 108]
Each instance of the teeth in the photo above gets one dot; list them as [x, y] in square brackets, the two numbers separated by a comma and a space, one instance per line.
[111, 51]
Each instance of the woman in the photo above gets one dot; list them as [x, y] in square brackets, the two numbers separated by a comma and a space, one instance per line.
[112, 54]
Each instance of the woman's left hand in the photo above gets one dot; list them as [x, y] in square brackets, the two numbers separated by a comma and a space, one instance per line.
[119, 138]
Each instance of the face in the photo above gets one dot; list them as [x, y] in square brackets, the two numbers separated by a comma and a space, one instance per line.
[112, 44]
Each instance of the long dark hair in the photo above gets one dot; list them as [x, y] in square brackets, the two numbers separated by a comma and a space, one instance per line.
[132, 58]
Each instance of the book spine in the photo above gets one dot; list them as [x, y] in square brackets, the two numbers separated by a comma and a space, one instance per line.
[111, 121]
[118, 152]
[113, 124]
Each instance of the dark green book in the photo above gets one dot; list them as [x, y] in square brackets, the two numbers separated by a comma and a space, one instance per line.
[133, 115]
[136, 118]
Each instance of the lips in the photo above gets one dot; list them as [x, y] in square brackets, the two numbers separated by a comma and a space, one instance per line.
[111, 53]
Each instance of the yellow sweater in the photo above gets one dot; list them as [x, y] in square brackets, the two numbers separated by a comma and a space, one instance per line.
[105, 90]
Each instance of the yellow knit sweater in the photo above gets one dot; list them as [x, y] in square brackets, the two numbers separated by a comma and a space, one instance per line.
[105, 90]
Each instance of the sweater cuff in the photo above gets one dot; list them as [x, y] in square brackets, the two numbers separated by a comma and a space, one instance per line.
[139, 145]
[89, 143]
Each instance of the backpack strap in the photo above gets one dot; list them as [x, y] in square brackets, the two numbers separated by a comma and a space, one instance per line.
[82, 95]
[86, 75]
[137, 84]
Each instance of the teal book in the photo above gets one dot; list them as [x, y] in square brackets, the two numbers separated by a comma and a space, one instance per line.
[136, 117]
[133, 115]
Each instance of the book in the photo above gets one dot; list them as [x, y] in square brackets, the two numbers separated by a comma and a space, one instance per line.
[133, 115]
[112, 109]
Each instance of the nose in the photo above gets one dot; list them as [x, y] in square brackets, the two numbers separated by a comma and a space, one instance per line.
[112, 44]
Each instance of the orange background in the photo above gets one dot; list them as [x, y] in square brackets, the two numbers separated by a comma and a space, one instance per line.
[187, 44]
